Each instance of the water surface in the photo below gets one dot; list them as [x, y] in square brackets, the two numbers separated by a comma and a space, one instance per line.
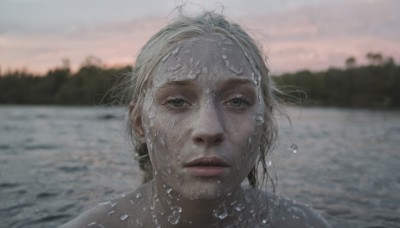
[56, 162]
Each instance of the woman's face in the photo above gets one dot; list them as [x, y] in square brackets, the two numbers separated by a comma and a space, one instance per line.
[202, 117]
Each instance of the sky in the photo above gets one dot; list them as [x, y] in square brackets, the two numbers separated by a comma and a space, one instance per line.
[37, 35]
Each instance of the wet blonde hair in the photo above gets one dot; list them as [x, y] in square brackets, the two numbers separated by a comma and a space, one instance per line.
[165, 41]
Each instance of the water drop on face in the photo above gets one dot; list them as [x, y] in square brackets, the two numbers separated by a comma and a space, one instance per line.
[176, 50]
[264, 221]
[259, 120]
[138, 195]
[220, 212]
[132, 202]
[191, 75]
[175, 216]
[223, 56]
[111, 212]
[113, 204]
[92, 224]
[124, 217]
[205, 70]
[269, 163]
[169, 190]
[239, 207]
[293, 148]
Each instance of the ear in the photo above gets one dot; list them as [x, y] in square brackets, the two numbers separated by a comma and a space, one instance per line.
[135, 116]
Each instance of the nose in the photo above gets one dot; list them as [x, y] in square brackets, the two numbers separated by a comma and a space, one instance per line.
[209, 128]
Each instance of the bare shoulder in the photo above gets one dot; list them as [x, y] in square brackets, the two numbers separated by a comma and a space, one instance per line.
[93, 217]
[290, 213]
[120, 212]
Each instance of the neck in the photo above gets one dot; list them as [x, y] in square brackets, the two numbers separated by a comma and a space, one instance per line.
[170, 208]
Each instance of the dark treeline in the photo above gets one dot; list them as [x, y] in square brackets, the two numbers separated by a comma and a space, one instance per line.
[376, 84]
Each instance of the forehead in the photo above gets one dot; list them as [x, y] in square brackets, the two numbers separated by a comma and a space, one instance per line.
[204, 58]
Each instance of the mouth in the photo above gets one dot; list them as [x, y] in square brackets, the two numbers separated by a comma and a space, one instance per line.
[207, 166]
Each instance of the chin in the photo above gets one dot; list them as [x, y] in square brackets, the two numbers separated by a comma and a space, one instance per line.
[204, 191]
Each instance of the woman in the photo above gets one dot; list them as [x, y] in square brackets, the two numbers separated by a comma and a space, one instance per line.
[201, 117]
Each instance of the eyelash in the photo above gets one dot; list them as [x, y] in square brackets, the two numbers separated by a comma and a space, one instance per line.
[244, 100]
[170, 102]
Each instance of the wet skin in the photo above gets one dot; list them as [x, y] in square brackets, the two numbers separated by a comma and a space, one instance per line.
[202, 119]
[198, 127]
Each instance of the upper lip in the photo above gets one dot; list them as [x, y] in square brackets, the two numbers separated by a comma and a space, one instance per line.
[207, 161]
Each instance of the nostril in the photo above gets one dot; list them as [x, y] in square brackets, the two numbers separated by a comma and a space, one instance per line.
[208, 139]
[199, 140]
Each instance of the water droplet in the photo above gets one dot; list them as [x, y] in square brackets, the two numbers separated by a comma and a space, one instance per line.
[113, 204]
[220, 212]
[223, 56]
[138, 195]
[165, 58]
[175, 216]
[176, 50]
[197, 63]
[111, 212]
[123, 217]
[132, 202]
[269, 163]
[175, 68]
[92, 224]
[227, 42]
[259, 120]
[169, 190]
[104, 203]
[205, 70]
[293, 148]
[264, 221]
[239, 207]
[236, 71]
[191, 75]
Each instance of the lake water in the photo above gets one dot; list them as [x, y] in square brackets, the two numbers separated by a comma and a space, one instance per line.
[56, 162]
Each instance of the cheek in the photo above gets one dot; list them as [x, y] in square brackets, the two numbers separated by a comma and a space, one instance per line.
[246, 136]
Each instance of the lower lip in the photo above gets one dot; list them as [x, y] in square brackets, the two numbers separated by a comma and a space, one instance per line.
[206, 171]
